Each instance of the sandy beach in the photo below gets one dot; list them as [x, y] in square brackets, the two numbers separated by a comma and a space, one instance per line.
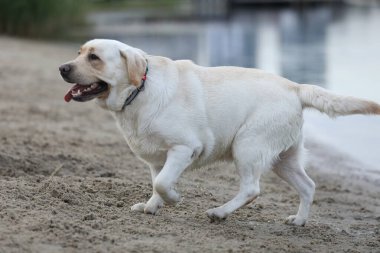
[68, 180]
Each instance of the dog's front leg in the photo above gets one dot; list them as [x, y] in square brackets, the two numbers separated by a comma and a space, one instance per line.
[155, 202]
[178, 159]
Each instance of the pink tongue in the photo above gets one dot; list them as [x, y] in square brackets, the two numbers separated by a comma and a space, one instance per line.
[68, 95]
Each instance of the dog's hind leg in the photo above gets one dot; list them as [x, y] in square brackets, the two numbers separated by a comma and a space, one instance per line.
[155, 202]
[250, 162]
[290, 168]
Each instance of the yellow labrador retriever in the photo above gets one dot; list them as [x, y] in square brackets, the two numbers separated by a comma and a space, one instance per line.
[176, 115]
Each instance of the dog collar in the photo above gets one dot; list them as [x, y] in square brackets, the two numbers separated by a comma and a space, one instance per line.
[134, 93]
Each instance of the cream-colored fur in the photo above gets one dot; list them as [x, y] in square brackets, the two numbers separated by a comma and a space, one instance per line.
[190, 116]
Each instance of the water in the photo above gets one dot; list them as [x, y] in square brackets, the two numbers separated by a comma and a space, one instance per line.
[337, 47]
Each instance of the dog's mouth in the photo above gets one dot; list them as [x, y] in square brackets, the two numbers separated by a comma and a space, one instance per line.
[83, 92]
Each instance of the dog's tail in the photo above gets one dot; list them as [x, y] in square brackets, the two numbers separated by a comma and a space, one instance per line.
[312, 96]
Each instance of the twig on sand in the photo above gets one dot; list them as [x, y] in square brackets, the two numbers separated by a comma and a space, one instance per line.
[47, 182]
[55, 171]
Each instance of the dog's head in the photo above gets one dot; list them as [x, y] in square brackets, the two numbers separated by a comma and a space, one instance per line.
[104, 69]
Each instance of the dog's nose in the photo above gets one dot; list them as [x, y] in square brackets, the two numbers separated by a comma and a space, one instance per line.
[65, 69]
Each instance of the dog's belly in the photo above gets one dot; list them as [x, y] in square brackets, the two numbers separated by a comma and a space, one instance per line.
[153, 149]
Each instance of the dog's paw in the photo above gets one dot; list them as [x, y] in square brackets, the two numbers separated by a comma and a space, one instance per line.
[151, 209]
[216, 214]
[172, 199]
[295, 220]
[139, 207]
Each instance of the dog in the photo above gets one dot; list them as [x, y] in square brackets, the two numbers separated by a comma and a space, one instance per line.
[176, 115]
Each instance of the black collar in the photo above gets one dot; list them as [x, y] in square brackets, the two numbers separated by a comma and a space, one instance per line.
[137, 90]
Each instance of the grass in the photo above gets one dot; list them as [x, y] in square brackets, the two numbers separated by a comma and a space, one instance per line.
[62, 18]
[41, 18]
[112, 5]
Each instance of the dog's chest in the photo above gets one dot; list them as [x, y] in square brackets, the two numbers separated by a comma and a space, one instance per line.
[143, 141]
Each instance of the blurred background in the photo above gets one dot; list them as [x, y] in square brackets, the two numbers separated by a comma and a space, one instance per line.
[331, 43]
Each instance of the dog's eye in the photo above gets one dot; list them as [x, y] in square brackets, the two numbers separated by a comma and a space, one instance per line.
[93, 57]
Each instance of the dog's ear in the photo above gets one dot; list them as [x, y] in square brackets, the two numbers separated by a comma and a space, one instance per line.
[136, 64]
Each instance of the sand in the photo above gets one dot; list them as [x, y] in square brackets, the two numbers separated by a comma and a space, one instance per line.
[68, 179]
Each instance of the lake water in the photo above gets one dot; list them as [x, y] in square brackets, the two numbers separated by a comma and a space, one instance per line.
[337, 47]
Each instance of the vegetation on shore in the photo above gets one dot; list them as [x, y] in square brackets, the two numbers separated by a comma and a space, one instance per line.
[41, 18]
[62, 19]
